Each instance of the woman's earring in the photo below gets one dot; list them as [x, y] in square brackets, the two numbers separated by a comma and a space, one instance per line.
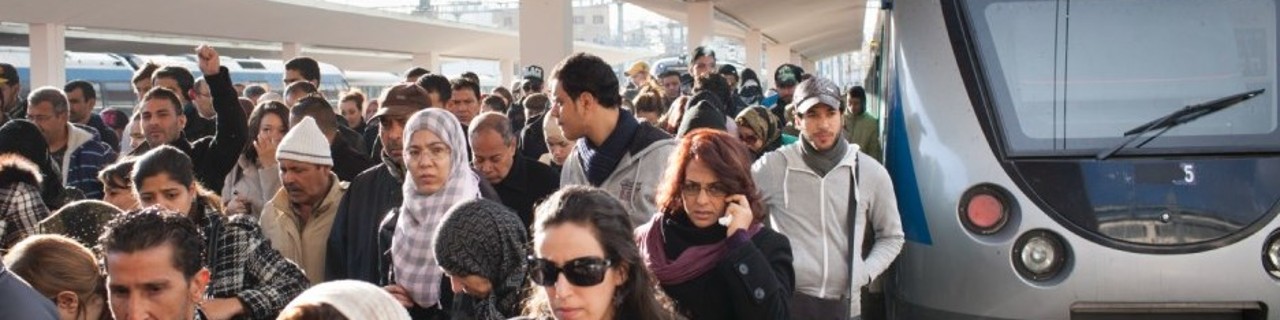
[617, 296]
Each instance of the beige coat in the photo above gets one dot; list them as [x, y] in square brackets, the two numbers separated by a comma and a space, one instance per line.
[302, 244]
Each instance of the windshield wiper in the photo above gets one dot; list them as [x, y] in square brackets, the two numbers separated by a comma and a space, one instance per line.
[1182, 116]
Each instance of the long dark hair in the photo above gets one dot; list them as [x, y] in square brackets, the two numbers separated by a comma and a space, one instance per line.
[720, 152]
[255, 125]
[171, 161]
[638, 297]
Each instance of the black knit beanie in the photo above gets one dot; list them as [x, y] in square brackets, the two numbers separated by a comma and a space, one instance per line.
[701, 115]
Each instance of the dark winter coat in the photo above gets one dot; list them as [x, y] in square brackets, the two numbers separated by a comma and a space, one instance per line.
[752, 281]
[353, 240]
[527, 183]
[348, 162]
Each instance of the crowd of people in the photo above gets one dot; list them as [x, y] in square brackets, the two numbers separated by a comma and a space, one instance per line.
[571, 195]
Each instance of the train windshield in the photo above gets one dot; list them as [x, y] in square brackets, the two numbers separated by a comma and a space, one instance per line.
[1069, 77]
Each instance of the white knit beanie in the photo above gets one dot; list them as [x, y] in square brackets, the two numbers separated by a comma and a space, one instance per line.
[305, 143]
[354, 299]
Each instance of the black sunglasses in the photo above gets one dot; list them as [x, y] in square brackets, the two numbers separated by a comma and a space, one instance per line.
[582, 272]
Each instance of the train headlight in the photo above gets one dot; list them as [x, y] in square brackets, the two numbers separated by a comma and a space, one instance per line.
[1271, 254]
[1039, 255]
[985, 209]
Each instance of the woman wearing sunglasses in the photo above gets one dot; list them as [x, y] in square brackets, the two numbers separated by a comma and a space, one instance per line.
[759, 129]
[708, 246]
[586, 264]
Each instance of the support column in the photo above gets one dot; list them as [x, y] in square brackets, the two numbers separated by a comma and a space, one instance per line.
[809, 65]
[290, 50]
[48, 43]
[699, 21]
[427, 60]
[546, 32]
[754, 46]
[506, 72]
[776, 55]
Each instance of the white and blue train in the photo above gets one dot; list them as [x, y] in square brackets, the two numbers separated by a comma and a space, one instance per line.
[111, 74]
[1082, 159]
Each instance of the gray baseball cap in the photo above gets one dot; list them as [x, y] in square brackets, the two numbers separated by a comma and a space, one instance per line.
[816, 90]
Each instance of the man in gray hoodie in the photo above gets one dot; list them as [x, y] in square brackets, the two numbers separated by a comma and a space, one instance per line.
[809, 186]
[614, 151]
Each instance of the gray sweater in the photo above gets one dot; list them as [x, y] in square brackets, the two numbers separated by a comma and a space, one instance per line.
[635, 180]
[812, 211]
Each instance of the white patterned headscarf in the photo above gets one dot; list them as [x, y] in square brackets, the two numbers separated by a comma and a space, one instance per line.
[354, 299]
[413, 259]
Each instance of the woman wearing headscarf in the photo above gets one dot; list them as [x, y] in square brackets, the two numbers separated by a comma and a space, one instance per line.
[344, 299]
[437, 177]
[81, 221]
[758, 129]
[487, 279]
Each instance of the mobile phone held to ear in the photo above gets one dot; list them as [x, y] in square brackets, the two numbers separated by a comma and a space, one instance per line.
[727, 218]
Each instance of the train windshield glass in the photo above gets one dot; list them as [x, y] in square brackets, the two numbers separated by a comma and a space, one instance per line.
[1068, 77]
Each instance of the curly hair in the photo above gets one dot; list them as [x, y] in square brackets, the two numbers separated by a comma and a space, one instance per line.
[722, 153]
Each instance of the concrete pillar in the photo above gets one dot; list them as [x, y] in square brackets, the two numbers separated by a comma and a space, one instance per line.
[700, 19]
[290, 50]
[48, 43]
[427, 60]
[546, 32]
[506, 72]
[754, 46]
[776, 55]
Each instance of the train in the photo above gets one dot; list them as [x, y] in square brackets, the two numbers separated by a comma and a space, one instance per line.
[1082, 159]
[111, 73]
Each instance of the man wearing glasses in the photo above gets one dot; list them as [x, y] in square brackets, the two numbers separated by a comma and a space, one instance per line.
[76, 149]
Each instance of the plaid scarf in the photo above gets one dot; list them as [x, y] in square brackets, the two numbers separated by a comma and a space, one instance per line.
[413, 260]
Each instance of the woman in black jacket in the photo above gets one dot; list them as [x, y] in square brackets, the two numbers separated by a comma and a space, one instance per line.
[708, 246]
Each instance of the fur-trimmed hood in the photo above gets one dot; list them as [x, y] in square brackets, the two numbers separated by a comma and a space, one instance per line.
[16, 169]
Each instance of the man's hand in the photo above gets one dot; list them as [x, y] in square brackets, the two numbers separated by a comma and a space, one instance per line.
[400, 294]
[209, 61]
[222, 308]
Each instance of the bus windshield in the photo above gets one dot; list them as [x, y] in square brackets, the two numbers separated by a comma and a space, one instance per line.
[1069, 77]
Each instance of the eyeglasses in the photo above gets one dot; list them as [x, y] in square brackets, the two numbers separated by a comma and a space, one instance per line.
[690, 190]
[435, 152]
[582, 272]
[749, 140]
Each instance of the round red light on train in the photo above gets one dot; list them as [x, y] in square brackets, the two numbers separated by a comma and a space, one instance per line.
[985, 209]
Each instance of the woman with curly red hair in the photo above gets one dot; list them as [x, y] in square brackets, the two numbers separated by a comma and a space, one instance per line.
[708, 246]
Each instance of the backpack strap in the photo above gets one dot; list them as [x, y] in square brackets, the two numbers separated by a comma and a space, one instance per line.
[852, 216]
